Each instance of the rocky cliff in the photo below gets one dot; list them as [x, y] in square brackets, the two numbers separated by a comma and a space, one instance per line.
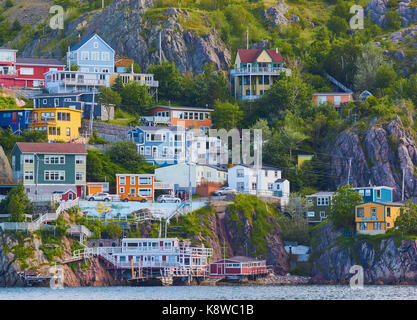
[383, 262]
[5, 169]
[379, 154]
[376, 10]
[8, 264]
[132, 31]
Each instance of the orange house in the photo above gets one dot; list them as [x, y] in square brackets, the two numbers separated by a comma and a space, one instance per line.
[136, 184]
[337, 98]
[187, 117]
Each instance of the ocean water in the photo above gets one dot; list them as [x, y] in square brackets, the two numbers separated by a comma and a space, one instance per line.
[285, 292]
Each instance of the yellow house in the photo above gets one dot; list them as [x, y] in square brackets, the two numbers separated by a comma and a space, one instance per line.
[60, 124]
[376, 217]
[255, 72]
[304, 157]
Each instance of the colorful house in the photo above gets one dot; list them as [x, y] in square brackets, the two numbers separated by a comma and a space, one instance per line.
[45, 168]
[18, 120]
[186, 117]
[376, 217]
[24, 72]
[161, 145]
[338, 99]
[135, 184]
[238, 267]
[255, 72]
[376, 193]
[319, 206]
[60, 124]
[301, 158]
[75, 100]
[92, 54]
[96, 187]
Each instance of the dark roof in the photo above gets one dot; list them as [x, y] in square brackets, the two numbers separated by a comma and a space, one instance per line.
[39, 61]
[155, 128]
[280, 180]
[65, 94]
[56, 148]
[250, 55]
[240, 259]
[397, 204]
[181, 108]
[85, 40]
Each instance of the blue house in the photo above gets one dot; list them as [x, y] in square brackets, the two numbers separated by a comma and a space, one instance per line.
[16, 119]
[92, 54]
[75, 100]
[162, 146]
[376, 194]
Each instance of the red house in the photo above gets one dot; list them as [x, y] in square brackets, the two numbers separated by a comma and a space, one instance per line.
[24, 72]
[238, 267]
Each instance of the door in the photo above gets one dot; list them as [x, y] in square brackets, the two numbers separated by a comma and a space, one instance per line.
[219, 269]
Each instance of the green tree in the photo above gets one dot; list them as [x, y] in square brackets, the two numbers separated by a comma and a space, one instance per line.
[108, 98]
[343, 205]
[118, 84]
[227, 115]
[112, 231]
[367, 65]
[338, 25]
[392, 20]
[407, 221]
[385, 76]
[17, 204]
[171, 83]
[135, 98]
[74, 67]
[125, 154]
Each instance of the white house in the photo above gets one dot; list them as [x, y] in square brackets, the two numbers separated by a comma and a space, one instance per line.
[181, 174]
[246, 179]
[281, 189]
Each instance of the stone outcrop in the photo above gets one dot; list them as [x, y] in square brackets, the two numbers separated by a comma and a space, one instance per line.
[379, 154]
[276, 15]
[5, 169]
[376, 10]
[383, 262]
[125, 26]
[8, 265]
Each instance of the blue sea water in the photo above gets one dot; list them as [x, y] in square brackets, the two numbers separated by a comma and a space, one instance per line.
[285, 292]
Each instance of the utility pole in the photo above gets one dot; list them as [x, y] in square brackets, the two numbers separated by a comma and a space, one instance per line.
[92, 114]
[102, 4]
[160, 47]
[402, 192]
[350, 165]
[247, 37]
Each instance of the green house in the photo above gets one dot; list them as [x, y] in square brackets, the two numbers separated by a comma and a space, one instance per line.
[46, 169]
[319, 206]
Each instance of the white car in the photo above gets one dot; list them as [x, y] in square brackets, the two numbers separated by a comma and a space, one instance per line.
[166, 198]
[99, 197]
[225, 190]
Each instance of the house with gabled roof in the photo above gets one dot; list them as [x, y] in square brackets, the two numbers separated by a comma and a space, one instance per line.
[45, 168]
[92, 54]
[255, 70]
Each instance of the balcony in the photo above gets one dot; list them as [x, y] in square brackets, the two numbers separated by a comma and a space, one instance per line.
[259, 71]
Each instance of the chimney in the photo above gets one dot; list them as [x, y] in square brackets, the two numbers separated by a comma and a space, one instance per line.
[276, 50]
[79, 38]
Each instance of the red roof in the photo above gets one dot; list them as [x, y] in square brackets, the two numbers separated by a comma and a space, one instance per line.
[56, 148]
[250, 55]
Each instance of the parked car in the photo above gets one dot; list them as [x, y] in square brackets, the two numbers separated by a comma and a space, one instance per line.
[165, 198]
[99, 197]
[225, 190]
[133, 197]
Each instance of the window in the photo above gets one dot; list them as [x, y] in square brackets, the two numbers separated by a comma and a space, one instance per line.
[378, 194]
[79, 159]
[367, 192]
[266, 173]
[79, 176]
[147, 151]
[132, 190]
[311, 214]
[85, 55]
[270, 186]
[377, 225]
[309, 201]
[68, 132]
[26, 71]
[322, 201]
[105, 56]
[54, 159]
[122, 180]
[145, 192]
[52, 131]
[322, 214]
[240, 173]
[28, 175]
[373, 212]
[50, 175]
[388, 212]
[132, 180]
[361, 192]
[145, 181]
[359, 212]
[253, 185]
[122, 189]
[95, 55]
[388, 224]
[363, 226]
[95, 44]
[56, 102]
[29, 158]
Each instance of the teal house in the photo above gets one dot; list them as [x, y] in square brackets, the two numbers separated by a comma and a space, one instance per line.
[375, 193]
[48, 169]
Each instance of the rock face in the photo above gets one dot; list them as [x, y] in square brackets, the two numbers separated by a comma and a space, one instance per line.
[379, 154]
[125, 26]
[8, 265]
[5, 169]
[276, 14]
[383, 263]
[376, 9]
